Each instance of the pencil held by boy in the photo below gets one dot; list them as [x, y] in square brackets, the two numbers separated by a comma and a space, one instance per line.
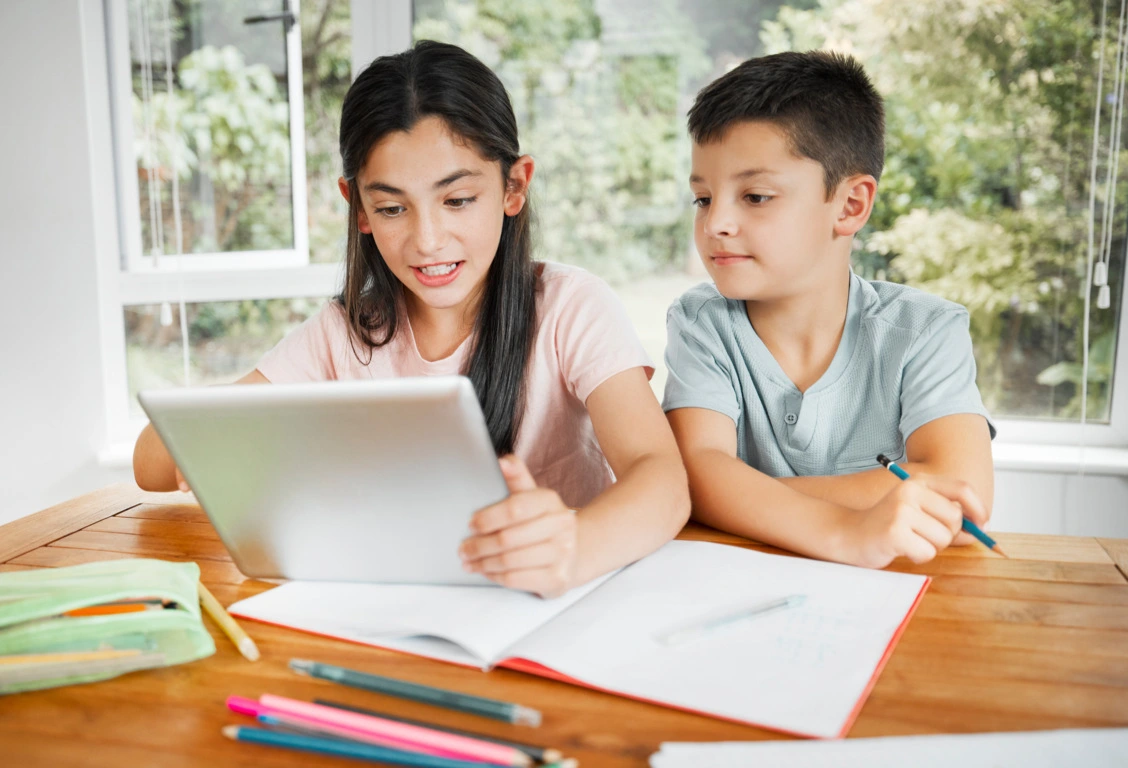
[790, 373]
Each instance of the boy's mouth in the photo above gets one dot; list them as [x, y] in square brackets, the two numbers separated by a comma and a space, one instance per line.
[723, 258]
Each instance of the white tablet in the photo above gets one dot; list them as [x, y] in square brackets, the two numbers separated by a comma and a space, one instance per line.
[370, 481]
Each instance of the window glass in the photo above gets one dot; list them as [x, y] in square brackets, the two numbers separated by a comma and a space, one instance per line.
[985, 198]
[210, 111]
[226, 339]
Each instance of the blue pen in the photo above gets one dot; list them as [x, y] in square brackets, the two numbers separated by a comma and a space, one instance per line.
[967, 525]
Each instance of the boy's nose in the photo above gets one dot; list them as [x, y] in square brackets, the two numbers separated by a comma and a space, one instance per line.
[720, 221]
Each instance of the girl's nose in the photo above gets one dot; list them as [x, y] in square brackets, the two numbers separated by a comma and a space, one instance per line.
[428, 234]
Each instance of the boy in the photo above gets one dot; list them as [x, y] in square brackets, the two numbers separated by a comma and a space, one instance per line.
[790, 375]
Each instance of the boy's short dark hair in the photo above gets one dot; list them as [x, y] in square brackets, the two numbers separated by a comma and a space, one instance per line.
[823, 102]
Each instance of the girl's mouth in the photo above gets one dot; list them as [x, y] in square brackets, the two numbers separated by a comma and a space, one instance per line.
[436, 275]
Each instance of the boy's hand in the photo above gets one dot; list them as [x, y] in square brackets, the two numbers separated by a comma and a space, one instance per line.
[917, 519]
[527, 541]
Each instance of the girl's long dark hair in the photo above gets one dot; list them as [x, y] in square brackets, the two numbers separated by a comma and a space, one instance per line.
[392, 94]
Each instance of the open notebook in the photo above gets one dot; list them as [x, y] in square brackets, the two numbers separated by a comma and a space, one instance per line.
[804, 670]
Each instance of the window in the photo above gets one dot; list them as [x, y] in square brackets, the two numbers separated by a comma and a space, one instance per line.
[225, 119]
[985, 198]
[229, 206]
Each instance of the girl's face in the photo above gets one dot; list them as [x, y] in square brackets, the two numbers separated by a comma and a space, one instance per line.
[435, 208]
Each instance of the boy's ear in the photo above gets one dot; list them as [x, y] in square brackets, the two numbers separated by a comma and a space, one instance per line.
[856, 196]
[517, 185]
[361, 217]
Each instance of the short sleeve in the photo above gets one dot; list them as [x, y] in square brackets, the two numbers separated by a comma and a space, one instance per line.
[594, 337]
[699, 371]
[306, 353]
[939, 375]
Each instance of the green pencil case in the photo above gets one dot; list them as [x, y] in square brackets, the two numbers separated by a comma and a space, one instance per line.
[32, 604]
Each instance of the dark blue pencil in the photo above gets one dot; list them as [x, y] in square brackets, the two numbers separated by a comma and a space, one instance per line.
[967, 525]
[347, 748]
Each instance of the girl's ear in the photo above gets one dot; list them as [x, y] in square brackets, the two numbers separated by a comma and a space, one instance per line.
[517, 185]
[856, 195]
[361, 217]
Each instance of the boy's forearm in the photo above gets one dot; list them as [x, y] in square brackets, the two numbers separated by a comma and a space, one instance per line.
[730, 495]
[862, 490]
[153, 467]
[646, 507]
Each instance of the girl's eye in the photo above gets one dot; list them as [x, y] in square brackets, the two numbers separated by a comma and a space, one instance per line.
[757, 199]
[701, 202]
[460, 202]
[390, 211]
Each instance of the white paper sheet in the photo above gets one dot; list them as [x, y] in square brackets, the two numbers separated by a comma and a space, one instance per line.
[801, 670]
[1096, 748]
[478, 623]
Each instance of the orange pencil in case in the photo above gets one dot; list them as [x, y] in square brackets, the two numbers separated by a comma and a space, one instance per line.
[109, 609]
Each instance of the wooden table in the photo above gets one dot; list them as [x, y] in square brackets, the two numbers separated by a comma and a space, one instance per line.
[1036, 642]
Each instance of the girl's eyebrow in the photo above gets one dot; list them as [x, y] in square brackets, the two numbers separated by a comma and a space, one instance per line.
[379, 186]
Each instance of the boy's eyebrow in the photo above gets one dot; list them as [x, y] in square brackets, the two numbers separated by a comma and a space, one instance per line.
[747, 174]
[379, 186]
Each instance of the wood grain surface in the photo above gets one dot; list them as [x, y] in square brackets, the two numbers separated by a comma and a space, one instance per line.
[1035, 642]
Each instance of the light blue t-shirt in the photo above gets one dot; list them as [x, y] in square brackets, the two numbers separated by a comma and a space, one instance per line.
[904, 359]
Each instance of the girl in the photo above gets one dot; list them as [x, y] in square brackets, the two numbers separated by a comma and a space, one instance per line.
[439, 280]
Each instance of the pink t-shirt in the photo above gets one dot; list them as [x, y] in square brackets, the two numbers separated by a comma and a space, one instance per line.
[584, 337]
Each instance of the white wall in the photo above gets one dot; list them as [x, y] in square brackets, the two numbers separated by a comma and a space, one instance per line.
[52, 423]
[1050, 502]
[51, 398]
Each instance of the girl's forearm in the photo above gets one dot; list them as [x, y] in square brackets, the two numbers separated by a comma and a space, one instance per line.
[646, 507]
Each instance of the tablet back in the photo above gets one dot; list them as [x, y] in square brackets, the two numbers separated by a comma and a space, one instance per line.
[369, 481]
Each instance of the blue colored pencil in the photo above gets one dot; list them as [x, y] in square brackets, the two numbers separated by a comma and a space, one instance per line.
[341, 748]
[967, 525]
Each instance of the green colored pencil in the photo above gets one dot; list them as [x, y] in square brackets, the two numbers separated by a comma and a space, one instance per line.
[461, 702]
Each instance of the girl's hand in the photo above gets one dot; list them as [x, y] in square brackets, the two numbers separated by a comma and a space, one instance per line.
[181, 483]
[527, 541]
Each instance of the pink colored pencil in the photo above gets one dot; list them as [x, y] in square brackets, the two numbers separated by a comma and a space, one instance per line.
[255, 709]
[459, 747]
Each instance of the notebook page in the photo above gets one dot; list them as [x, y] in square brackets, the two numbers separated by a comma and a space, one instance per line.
[1096, 748]
[802, 670]
[477, 623]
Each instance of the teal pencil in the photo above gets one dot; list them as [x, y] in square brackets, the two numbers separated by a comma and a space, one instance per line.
[462, 702]
[343, 748]
[967, 525]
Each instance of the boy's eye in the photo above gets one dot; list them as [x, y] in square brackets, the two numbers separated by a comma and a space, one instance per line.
[460, 202]
[701, 202]
[390, 211]
[757, 199]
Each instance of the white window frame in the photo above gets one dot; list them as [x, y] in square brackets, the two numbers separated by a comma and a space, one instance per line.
[379, 27]
[135, 260]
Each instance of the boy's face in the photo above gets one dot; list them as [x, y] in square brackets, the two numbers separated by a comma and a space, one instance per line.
[764, 228]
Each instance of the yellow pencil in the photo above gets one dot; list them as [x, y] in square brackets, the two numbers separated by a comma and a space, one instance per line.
[221, 617]
[66, 656]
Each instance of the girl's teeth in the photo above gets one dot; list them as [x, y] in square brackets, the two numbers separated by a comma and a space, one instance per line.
[438, 269]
